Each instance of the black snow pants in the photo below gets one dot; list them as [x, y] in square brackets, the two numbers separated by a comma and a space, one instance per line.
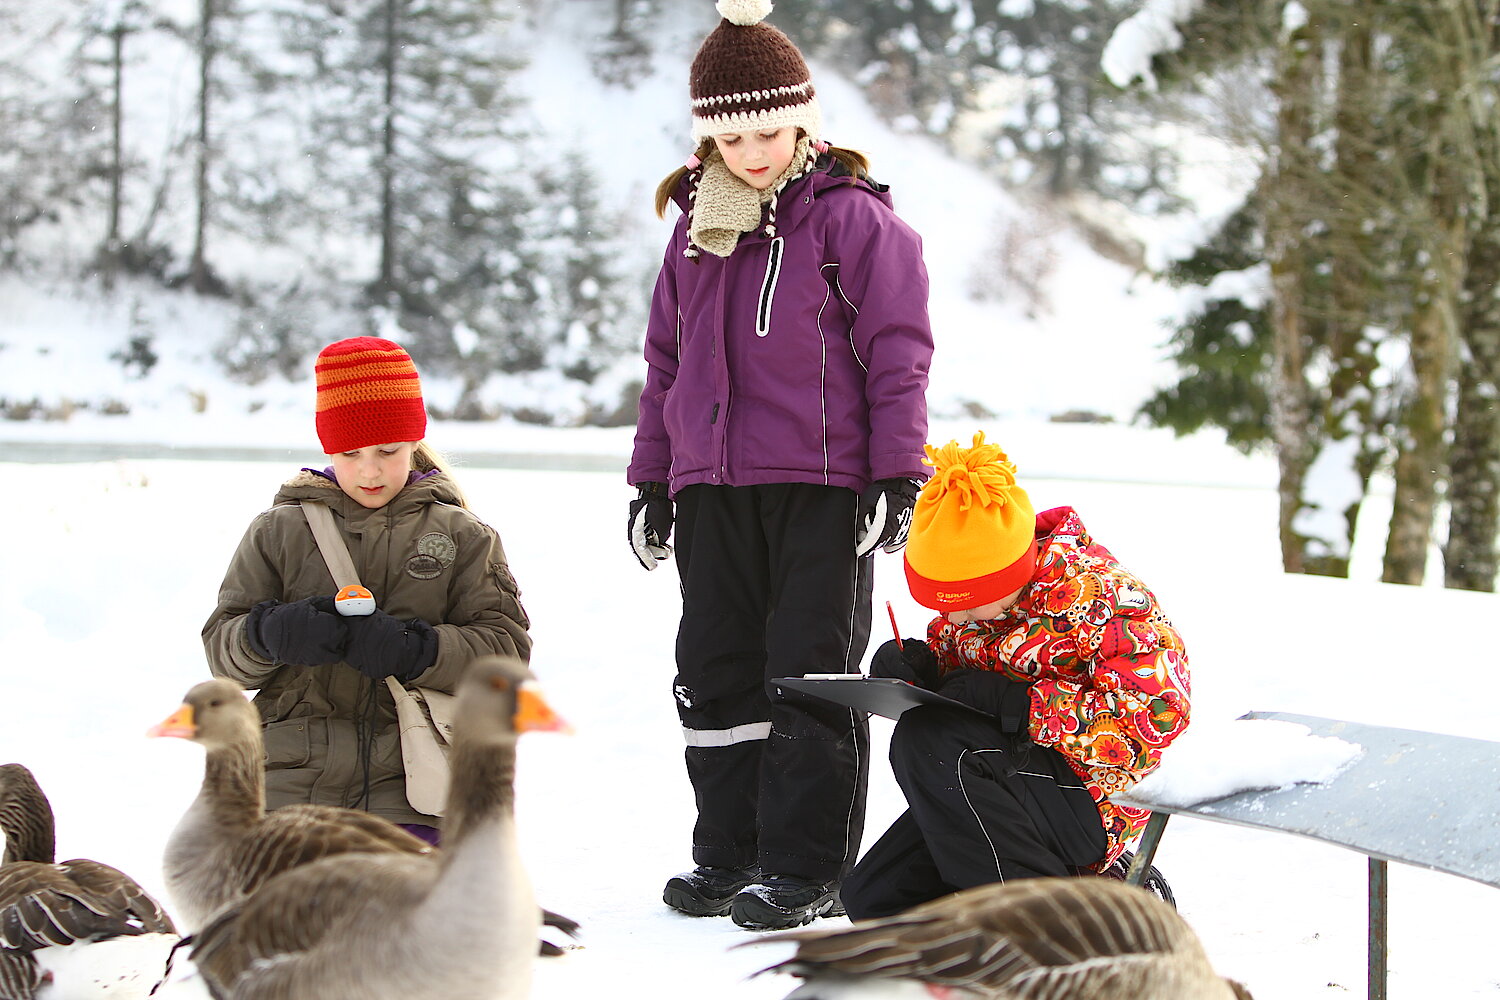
[771, 588]
[977, 812]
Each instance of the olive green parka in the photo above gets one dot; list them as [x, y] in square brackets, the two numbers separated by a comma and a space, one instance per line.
[330, 731]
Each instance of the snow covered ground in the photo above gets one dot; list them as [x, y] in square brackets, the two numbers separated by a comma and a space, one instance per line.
[111, 568]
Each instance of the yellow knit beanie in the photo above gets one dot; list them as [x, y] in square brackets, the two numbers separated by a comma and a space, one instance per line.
[973, 532]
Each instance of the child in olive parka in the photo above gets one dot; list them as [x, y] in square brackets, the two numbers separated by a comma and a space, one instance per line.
[445, 593]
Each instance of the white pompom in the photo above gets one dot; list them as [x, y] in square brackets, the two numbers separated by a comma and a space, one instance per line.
[743, 12]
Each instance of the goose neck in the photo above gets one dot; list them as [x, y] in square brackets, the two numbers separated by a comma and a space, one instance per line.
[483, 789]
[27, 831]
[234, 786]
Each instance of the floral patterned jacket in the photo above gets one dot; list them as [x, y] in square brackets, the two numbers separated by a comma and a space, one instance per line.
[1108, 672]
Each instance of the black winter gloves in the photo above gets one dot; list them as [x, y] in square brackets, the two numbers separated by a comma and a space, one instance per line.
[308, 632]
[650, 524]
[381, 646]
[311, 633]
[992, 693]
[884, 515]
[912, 661]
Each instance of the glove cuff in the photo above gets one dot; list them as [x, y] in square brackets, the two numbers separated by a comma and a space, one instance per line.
[429, 648]
[252, 630]
[652, 490]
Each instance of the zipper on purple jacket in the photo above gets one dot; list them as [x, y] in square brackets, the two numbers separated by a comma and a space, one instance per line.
[768, 288]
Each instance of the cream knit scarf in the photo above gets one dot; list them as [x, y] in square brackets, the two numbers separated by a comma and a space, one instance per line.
[726, 207]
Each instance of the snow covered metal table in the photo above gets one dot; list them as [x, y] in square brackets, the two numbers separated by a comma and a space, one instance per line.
[1422, 799]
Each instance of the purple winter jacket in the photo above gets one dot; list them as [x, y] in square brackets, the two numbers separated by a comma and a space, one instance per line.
[798, 359]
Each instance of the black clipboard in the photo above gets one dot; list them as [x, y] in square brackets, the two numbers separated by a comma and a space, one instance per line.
[885, 696]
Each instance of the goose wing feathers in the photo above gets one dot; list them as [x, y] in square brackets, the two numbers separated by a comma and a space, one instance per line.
[300, 909]
[297, 835]
[62, 904]
[19, 975]
[1020, 939]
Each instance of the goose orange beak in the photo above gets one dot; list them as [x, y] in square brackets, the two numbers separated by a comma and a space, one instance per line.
[533, 714]
[179, 724]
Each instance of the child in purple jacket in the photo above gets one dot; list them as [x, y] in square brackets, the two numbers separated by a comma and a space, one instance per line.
[781, 426]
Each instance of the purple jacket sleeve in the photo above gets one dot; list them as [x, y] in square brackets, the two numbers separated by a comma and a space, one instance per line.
[651, 458]
[882, 274]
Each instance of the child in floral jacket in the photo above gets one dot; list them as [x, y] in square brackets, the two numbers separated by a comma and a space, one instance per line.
[1079, 680]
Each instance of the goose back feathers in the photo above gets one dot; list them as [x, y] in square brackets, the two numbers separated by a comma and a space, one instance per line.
[461, 925]
[43, 904]
[1036, 939]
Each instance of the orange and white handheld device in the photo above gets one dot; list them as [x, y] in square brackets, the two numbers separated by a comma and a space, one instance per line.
[354, 600]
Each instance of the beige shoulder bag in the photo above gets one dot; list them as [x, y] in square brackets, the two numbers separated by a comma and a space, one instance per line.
[425, 716]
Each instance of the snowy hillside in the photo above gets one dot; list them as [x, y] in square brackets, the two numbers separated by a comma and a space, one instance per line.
[1086, 337]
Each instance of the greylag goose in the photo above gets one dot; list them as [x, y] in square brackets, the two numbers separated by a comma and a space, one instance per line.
[226, 844]
[1082, 938]
[461, 926]
[45, 905]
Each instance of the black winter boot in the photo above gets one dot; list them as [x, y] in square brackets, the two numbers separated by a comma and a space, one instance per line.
[773, 902]
[706, 891]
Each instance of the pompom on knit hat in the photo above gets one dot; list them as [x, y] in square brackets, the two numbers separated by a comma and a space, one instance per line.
[368, 393]
[748, 76]
[973, 531]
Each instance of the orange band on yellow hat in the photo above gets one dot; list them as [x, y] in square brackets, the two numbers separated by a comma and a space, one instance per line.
[960, 595]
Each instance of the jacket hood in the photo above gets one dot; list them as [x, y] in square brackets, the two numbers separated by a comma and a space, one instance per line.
[310, 484]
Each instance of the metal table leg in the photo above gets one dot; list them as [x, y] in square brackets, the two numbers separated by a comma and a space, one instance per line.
[1378, 929]
[1150, 840]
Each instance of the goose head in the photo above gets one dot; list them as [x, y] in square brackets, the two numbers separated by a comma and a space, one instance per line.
[214, 713]
[498, 700]
[27, 829]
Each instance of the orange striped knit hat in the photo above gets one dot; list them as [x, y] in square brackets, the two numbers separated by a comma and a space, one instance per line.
[368, 393]
[973, 532]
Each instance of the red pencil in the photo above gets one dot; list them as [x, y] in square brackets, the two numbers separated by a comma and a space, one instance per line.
[894, 627]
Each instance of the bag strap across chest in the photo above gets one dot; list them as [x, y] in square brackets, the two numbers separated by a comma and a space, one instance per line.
[330, 543]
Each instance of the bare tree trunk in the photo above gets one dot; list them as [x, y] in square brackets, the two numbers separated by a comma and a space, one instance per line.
[1450, 42]
[1421, 463]
[1292, 424]
[199, 277]
[1469, 555]
[1353, 279]
[387, 281]
[1470, 559]
[109, 259]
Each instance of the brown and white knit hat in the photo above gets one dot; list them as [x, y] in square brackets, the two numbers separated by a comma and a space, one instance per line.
[748, 76]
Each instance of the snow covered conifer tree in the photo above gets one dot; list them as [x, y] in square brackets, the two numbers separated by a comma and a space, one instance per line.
[411, 133]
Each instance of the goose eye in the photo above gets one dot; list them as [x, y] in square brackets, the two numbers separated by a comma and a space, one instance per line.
[499, 683]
